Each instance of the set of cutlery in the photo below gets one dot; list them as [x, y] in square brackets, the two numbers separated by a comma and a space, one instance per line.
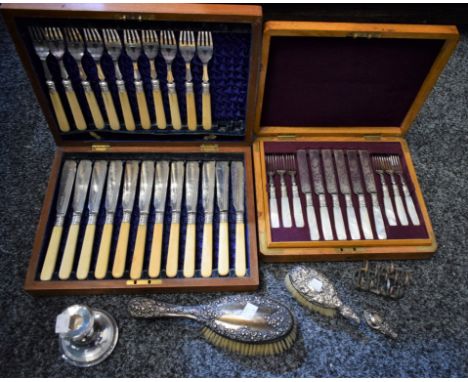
[164, 182]
[134, 43]
[334, 176]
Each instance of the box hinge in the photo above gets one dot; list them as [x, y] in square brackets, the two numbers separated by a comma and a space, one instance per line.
[209, 148]
[365, 35]
[100, 148]
[374, 137]
[287, 136]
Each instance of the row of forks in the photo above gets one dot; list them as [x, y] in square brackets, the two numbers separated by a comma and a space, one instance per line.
[391, 165]
[281, 165]
[51, 40]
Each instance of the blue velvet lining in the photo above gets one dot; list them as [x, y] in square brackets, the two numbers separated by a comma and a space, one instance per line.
[228, 72]
[134, 224]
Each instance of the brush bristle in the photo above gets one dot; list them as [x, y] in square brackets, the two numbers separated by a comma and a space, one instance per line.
[327, 312]
[251, 349]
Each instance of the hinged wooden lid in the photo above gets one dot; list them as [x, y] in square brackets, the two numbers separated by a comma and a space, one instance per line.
[347, 79]
[233, 69]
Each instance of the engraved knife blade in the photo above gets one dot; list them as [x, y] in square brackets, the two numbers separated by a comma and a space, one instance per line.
[333, 190]
[208, 191]
[353, 163]
[319, 188]
[345, 189]
[372, 190]
[306, 189]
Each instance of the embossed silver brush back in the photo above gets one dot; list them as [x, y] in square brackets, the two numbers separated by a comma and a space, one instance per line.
[244, 319]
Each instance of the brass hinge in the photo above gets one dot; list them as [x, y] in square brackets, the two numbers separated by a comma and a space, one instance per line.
[144, 282]
[100, 148]
[365, 35]
[375, 137]
[209, 148]
[287, 136]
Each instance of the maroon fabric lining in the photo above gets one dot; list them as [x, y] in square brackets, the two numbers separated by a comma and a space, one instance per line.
[302, 234]
[337, 82]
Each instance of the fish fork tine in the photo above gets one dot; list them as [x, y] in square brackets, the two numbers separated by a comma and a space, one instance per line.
[173, 40]
[210, 38]
[192, 38]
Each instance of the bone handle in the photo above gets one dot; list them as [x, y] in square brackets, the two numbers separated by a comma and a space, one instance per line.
[159, 108]
[191, 112]
[173, 251]
[189, 256]
[74, 106]
[109, 106]
[207, 251]
[240, 262]
[206, 107]
[223, 249]
[104, 251]
[126, 109]
[86, 252]
[138, 253]
[93, 106]
[142, 106]
[174, 106]
[58, 108]
[51, 255]
[156, 249]
[69, 252]
[118, 268]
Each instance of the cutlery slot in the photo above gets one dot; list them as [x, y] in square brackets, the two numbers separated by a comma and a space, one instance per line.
[295, 234]
[229, 75]
[150, 225]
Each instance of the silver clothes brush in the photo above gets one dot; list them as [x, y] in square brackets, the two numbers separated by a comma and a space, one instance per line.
[249, 325]
[313, 290]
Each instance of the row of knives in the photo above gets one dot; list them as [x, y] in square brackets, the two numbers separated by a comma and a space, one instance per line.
[182, 178]
[55, 42]
[358, 162]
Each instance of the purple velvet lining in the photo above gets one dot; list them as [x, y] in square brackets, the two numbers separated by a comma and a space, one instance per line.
[337, 82]
[302, 234]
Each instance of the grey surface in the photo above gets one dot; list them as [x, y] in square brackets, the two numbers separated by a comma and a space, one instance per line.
[431, 319]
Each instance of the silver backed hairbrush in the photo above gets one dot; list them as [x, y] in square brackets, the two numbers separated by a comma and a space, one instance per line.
[313, 290]
[249, 325]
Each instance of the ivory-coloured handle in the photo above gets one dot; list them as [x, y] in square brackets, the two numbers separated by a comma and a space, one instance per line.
[207, 251]
[138, 253]
[69, 252]
[86, 252]
[173, 251]
[223, 249]
[51, 255]
[156, 249]
[191, 111]
[110, 110]
[206, 109]
[76, 110]
[189, 256]
[175, 113]
[143, 110]
[240, 262]
[159, 109]
[95, 111]
[59, 112]
[104, 251]
[118, 268]
[127, 111]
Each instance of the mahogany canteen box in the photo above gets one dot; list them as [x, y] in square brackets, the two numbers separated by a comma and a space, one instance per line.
[152, 108]
[334, 175]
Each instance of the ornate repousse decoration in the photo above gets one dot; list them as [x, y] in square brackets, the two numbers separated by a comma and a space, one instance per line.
[317, 289]
[249, 319]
